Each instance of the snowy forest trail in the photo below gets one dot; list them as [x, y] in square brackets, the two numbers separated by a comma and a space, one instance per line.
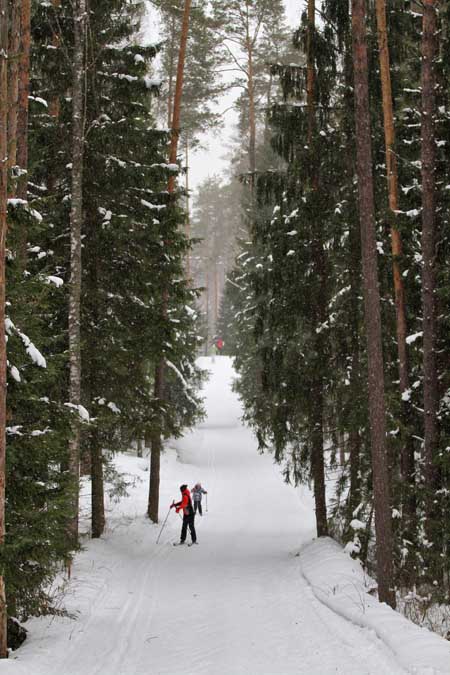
[237, 604]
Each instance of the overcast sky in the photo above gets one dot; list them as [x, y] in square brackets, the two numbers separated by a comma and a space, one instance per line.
[215, 157]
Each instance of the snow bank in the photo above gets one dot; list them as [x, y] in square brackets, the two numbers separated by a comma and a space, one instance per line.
[340, 583]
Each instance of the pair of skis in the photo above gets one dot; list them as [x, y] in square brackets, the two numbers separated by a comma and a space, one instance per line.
[181, 543]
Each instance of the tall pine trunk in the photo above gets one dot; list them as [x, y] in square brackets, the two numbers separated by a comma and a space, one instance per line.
[76, 220]
[310, 70]
[407, 457]
[54, 103]
[428, 160]
[3, 228]
[160, 384]
[22, 117]
[354, 436]
[173, 39]
[317, 411]
[251, 103]
[13, 85]
[383, 524]
[95, 446]
[97, 489]
[187, 228]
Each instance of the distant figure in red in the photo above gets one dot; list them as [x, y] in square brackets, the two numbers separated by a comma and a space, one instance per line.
[185, 505]
[219, 345]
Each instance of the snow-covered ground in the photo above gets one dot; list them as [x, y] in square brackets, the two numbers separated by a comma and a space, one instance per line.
[240, 603]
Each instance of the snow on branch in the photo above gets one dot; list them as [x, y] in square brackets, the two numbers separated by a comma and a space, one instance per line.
[182, 380]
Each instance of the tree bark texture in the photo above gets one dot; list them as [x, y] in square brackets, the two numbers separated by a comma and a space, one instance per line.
[383, 523]
[156, 445]
[95, 447]
[317, 412]
[54, 105]
[310, 71]
[176, 121]
[317, 460]
[24, 91]
[159, 391]
[76, 220]
[187, 228]
[97, 493]
[140, 445]
[251, 103]
[407, 458]
[3, 230]
[13, 85]
[170, 78]
[354, 438]
[428, 160]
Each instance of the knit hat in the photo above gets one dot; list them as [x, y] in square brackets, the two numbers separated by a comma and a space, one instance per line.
[183, 487]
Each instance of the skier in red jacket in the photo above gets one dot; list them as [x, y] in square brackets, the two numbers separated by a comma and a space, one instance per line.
[188, 514]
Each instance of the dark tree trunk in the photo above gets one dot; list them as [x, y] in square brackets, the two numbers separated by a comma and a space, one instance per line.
[251, 109]
[173, 40]
[317, 445]
[383, 523]
[407, 454]
[428, 158]
[97, 493]
[24, 91]
[3, 229]
[95, 447]
[317, 461]
[54, 105]
[354, 439]
[13, 85]
[310, 70]
[156, 442]
[354, 267]
[156, 447]
[139, 451]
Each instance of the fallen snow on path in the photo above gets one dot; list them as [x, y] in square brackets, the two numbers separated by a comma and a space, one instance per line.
[237, 604]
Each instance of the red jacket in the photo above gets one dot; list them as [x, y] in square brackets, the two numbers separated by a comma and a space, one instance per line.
[185, 503]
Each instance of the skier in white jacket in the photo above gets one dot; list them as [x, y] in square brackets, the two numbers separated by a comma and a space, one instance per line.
[197, 494]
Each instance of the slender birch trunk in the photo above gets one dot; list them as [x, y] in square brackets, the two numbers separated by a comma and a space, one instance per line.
[428, 161]
[159, 390]
[76, 220]
[3, 229]
[377, 414]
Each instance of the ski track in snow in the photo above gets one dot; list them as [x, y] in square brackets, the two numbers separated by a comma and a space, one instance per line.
[237, 604]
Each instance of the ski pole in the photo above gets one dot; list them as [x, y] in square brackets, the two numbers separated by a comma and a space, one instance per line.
[206, 501]
[163, 525]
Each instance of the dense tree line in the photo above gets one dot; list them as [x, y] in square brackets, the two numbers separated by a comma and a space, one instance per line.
[337, 310]
[336, 217]
[91, 216]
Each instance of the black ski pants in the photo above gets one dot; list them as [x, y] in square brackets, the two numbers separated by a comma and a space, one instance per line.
[188, 521]
[198, 505]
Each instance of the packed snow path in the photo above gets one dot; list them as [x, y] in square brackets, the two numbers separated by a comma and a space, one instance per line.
[237, 604]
